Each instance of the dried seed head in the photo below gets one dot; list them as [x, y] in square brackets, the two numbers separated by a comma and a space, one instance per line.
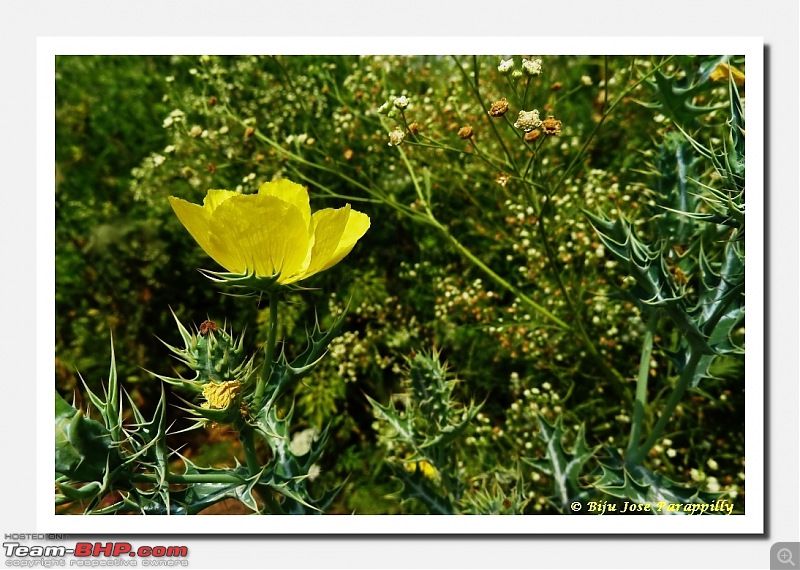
[414, 128]
[249, 131]
[207, 326]
[551, 126]
[533, 135]
[465, 132]
[499, 108]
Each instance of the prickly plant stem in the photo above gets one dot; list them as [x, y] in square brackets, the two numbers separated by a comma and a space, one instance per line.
[189, 478]
[247, 437]
[269, 357]
[640, 403]
[672, 403]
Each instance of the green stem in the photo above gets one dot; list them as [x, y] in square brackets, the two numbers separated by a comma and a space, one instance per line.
[579, 329]
[249, 446]
[640, 404]
[269, 358]
[247, 437]
[469, 255]
[474, 88]
[606, 112]
[672, 403]
[190, 478]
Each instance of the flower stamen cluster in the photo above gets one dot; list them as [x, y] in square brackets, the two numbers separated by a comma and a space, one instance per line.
[219, 395]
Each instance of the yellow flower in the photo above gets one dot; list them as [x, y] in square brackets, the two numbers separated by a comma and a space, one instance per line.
[723, 71]
[272, 233]
[427, 470]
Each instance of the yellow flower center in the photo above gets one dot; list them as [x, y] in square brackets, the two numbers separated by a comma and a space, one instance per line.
[219, 395]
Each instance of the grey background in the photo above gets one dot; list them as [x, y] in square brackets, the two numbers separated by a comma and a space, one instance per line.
[777, 22]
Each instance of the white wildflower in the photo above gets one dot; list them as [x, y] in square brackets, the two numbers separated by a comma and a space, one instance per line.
[505, 65]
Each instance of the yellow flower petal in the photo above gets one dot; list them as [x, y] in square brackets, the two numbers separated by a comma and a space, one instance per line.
[291, 192]
[327, 226]
[216, 197]
[335, 234]
[723, 71]
[194, 218]
[261, 234]
[357, 226]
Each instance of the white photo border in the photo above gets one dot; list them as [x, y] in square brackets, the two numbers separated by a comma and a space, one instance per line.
[752, 522]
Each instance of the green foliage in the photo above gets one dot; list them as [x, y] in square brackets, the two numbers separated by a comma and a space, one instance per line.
[562, 466]
[587, 286]
[95, 462]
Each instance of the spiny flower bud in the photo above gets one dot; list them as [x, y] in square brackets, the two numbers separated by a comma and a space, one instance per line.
[212, 353]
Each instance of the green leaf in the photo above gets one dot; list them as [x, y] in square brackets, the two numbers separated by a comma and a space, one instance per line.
[417, 486]
[640, 485]
[562, 466]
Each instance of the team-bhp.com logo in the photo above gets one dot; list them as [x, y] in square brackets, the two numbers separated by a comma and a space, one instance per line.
[93, 553]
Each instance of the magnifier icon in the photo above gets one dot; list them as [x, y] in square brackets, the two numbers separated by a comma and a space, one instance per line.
[785, 556]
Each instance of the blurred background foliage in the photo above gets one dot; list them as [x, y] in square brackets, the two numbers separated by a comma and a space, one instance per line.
[131, 131]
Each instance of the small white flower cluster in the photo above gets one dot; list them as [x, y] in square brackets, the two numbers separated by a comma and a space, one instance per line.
[505, 65]
[394, 104]
[396, 137]
[401, 102]
[528, 120]
[532, 66]
[300, 139]
[175, 116]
